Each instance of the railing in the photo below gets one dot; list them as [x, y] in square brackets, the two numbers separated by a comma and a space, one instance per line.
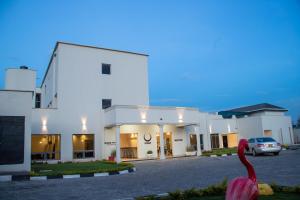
[83, 154]
[50, 155]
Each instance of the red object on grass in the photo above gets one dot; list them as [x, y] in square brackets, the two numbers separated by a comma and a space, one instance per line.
[111, 158]
[243, 188]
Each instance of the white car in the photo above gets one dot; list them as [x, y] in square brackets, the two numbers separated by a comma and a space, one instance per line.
[263, 145]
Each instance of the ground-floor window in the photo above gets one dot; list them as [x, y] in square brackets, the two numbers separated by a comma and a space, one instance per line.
[214, 138]
[45, 147]
[128, 143]
[193, 141]
[83, 146]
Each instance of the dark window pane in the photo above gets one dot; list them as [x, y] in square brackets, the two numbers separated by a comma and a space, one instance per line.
[105, 68]
[106, 103]
[38, 100]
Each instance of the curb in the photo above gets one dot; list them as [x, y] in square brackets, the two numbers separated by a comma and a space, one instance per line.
[223, 155]
[7, 178]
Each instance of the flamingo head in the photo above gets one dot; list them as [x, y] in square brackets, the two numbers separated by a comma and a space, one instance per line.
[243, 144]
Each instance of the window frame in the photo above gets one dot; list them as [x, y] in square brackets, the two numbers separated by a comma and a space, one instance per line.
[40, 100]
[107, 106]
[103, 69]
[83, 151]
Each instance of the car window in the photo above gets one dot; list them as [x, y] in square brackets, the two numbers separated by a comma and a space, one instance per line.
[251, 140]
[265, 139]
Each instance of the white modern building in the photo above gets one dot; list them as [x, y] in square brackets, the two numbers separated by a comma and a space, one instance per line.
[94, 101]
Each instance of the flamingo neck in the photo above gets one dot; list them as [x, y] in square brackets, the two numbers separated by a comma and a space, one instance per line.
[251, 173]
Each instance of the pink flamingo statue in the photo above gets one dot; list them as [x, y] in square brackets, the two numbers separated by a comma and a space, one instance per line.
[243, 188]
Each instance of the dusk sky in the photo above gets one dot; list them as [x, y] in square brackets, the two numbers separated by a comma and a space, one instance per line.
[213, 55]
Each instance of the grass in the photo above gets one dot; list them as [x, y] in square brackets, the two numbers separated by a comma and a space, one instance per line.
[217, 192]
[77, 168]
[219, 152]
[277, 196]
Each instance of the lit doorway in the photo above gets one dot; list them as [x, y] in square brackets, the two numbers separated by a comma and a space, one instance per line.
[128, 145]
[168, 144]
[225, 141]
[193, 141]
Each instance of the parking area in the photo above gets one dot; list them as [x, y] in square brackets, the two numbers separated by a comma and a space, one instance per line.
[153, 177]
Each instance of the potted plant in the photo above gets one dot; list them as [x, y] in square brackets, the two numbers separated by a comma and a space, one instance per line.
[149, 153]
[190, 151]
[112, 155]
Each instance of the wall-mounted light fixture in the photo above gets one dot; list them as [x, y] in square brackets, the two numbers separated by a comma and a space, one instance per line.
[44, 125]
[143, 116]
[228, 128]
[83, 121]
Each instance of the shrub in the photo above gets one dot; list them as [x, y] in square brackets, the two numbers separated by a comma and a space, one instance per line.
[149, 152]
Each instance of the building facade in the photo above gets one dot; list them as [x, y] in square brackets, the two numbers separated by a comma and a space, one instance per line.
[94, 102]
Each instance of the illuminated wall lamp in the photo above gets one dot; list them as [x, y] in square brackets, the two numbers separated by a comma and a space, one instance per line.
[83, 121]
[44, 125]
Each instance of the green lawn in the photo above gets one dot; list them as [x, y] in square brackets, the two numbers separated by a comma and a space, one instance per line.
[219, 152]
[276, 196]
[77, 168]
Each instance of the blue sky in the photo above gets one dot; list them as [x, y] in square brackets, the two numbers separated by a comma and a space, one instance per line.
[213, 55]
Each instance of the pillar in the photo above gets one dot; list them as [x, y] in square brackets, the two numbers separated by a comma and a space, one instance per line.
[161, 142]
[118, 155]
[197, 131]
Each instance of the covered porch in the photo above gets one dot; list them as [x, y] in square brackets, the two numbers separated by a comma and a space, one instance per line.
[143, 132]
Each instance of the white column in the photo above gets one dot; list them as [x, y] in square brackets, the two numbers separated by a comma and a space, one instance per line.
[161, 141]
[118, 155]
[188, 140]
[197, 131]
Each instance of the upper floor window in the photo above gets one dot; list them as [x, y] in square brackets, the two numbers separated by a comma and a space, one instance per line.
[106, 103]
[106, 68]
[38, 100]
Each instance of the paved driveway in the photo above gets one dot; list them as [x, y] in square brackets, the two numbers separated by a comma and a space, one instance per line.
[154, 177]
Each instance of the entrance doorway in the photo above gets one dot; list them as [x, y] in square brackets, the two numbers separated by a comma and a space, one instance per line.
[128, 145]
[193, 141]
[225, 141]
[167, 144]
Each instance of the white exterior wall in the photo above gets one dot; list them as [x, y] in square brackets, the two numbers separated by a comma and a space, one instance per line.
[281, 127]
[249, 127]
[80, 88]
[50, 82]
[150, 115]
[16, 103]
[20, 79]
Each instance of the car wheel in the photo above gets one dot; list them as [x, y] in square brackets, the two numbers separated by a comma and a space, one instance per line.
[276, 153]
[253, 152]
